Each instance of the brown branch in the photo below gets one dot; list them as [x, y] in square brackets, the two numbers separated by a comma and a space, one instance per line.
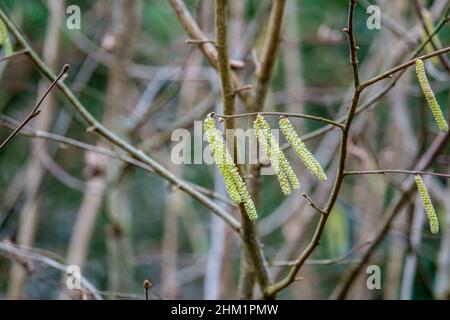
[114, 139]
[312, 204]
[251, 247]
[405, 65]
[35, 133]
[14, 54]
[342, 289]
[339, 260]
[420, 13]
[25, 253]
[209, 50]
[393, 171]
[314, 242]
[35, 111]
[382, 93]
[270, 53]
[283, 114]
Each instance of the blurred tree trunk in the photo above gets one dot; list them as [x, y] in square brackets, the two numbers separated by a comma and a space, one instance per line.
[176, 201]
[29, 215]
[402, 139]
[292, 55]
[125, 25]
[90, 205]
[215, 286]
[410, 263]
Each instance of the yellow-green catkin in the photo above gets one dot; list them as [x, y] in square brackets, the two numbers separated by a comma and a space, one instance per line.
[429, 95]
[300, 149]
[283, 170]
[429, 209]
[5, 42]
[234, 183]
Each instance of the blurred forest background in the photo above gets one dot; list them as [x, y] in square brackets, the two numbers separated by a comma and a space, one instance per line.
[134, 71]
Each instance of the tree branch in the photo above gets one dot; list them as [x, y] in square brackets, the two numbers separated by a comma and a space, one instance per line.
[270, 53]
[393, 171]
[111, 137]
[283, 114]
[35, 111]
[17, 251]
[251, 248]
[314, 242]
[14, 54]
[405, 65]
[408, 187]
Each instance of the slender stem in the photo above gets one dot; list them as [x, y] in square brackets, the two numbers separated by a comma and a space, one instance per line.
[338, 260]
[269, 54]
[394, 171]
[114, 139]
[342, 289]
[14, 54]
[420, 14]
[314, 242]
[251, 247]
[223, 59]
[312, 204]
[35, 111]
[283, 114]
[208, 49]
[384, 91]
[264, 75]
[405, 65]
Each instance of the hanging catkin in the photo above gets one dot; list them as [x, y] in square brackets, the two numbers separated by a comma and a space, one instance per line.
[429, 95]
[432, 217]
[283, 170]
[234, 183]
[300, 149]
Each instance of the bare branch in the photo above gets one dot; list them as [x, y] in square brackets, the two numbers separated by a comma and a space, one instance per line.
[114, 139]
[35, 111]
[393, 171]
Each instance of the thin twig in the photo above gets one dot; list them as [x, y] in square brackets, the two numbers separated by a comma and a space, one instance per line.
[16, 250]
[35, 111]
[342, 289]
[405, 65]
[312, 204]
[14, 54]
[393, 171]
[282, 114]
[35, 133]
[314, 242]
[420, 13]
[341, 259]
[377, 97]
[200, 41]
[136, 153]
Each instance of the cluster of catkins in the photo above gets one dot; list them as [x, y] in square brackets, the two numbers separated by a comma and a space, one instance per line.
[286, 176]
